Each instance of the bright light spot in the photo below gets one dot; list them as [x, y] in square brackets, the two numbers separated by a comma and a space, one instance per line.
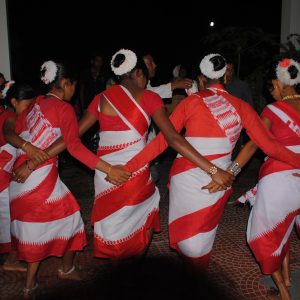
[212, 24]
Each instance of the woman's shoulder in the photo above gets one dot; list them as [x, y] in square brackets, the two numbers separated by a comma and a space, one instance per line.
[151, 94]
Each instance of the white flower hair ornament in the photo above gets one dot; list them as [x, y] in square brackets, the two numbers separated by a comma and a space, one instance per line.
[50, 68]
[7, 86]
[128, 64]
[207, 67]
[284, 75]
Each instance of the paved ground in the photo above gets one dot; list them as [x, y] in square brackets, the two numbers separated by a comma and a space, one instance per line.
[233, 272]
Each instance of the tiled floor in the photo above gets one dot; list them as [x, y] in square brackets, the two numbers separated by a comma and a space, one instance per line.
[233, 272]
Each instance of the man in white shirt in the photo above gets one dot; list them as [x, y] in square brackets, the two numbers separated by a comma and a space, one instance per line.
[164, 90]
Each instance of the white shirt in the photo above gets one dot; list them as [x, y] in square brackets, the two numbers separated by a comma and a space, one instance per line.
[163, 90]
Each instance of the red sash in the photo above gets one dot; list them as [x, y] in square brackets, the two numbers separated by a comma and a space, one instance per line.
[127, 107]
[288, 110]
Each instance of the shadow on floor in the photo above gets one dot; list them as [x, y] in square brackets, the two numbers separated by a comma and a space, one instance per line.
[152, 278]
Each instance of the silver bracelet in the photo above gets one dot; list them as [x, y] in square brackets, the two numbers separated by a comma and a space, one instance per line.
[235, 168]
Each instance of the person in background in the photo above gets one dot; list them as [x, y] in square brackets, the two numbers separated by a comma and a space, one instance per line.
[213, 120]
[240, 89]
[92, 81]
[180, 73]
[164, 91]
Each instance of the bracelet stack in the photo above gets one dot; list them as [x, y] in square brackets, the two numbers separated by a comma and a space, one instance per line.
[235, 168]
[212, 171]
[23, 145]
[109, 170]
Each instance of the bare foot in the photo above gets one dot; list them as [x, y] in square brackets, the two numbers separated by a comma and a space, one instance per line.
[29, 292]
[288, 282]
[273, 294]
[72, 274]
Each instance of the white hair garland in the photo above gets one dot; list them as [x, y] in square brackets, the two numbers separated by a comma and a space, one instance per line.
[284, 75]
[207, 67]
[128, 64]
[50, 68]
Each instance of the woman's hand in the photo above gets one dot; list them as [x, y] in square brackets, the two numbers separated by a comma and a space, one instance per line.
[223, 178]
[117, 175]
[213, 187]
[35, 153]
[21, 173]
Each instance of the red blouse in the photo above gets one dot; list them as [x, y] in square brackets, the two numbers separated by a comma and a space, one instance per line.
[61, 115]
[281, 131]
[150, 102]
[192, 114]
[4, 115]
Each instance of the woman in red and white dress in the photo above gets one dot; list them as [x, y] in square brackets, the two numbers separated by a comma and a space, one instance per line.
[213, 120]
[45, 216]
[275, 200]
[18, 97]
[124, 216]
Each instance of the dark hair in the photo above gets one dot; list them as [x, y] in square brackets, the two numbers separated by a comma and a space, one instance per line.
[64, 71]
[140, 65]
[19, 91]
[218, 62]
[293, 71]
[1, 75]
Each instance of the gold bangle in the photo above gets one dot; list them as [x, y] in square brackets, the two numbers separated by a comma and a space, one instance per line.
[24, 144]
[109, 170]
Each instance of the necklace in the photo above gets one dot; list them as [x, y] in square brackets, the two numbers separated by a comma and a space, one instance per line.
[290, 97]
[51, 94]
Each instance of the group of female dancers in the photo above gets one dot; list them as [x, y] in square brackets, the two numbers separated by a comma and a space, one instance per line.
[45, 219]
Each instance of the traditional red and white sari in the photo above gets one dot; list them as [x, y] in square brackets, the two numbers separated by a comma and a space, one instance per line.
[123, 215]
[194, 214]
[45, 216]
[7, 159]
[277, 202]
[213, 120]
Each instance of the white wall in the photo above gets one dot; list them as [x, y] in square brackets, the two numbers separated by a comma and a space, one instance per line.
[290, 18]
[4, 45]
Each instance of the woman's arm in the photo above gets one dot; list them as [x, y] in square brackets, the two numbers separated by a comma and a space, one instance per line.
[34, 153]
[69, 129]
[169, 136]
[242, 158]
[250, 148]
[85, 123]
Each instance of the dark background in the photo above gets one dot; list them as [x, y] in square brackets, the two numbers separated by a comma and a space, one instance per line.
[42, 30]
